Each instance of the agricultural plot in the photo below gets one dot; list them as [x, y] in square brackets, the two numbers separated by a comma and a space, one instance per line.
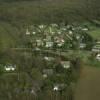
[88, 85]
[7, 36]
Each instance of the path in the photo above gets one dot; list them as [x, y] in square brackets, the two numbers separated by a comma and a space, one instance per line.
[88, 87]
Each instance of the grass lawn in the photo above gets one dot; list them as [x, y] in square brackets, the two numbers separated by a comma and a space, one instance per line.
[7, 35]
[95, 32]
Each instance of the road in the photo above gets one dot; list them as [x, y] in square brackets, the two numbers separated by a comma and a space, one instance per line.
[88, 86]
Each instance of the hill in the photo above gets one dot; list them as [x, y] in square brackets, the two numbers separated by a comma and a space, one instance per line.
[15, 15]
[46, 11]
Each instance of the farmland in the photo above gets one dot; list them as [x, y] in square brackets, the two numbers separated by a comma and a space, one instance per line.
[88, 85]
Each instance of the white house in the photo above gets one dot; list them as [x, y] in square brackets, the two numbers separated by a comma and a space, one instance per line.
[70, 32]
[41, 26]
[49, 58]
[98, 57]
[37, 49]
[27, 32]
[48, 38]
[85, 29]
[66, 64]
[96, 47]
[39, 42]
[77, 37]
[33, 33]
[10, 67]
[82, 45]
[98, 42]
[45, 75]
[58, 87]
[60, 41]
[49, 44]
[59, 32]
[63, 29]
[47, 72]
[54, 25]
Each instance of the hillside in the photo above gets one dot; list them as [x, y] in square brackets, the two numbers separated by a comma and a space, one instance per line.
[16, 15]
[47, 11]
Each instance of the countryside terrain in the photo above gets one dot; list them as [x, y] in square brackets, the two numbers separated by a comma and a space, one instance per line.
[35, 75]
[88, 86]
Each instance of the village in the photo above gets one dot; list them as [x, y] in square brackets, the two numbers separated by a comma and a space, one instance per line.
[58, 39]
[49, 49]
[50, 45]
[54, 36]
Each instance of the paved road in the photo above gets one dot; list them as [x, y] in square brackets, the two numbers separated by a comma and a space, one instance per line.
[88, 87]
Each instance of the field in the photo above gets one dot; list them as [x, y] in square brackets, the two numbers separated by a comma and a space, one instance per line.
[8, 35]
[95, 32]
[88, 87]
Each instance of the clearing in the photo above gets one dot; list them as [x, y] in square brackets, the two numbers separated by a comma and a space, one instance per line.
[88, 86]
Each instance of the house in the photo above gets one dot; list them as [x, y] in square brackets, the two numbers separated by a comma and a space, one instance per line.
[66, 64]
[54, 25]
[77, 37]
[49, 58]
[59, 87]
[98, 42]
[59, 32]
[47, 72]
[42, 26]
[98, 57]
[96, 47]
[27, 32]
[39, 42]
[33, 33]
[10, 67]
[48, 38]
[63, 29]
[37, 49]
[56, 88]
[45, 75]
[49, 44]
[82, 45]
[85, 29]
[59, 44]
[59, 41]
[70, 32]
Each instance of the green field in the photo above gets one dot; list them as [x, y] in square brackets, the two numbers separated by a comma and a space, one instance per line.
[8, 37]
[95, 32]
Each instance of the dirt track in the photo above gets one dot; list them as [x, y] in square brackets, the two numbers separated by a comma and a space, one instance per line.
[88, 87]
